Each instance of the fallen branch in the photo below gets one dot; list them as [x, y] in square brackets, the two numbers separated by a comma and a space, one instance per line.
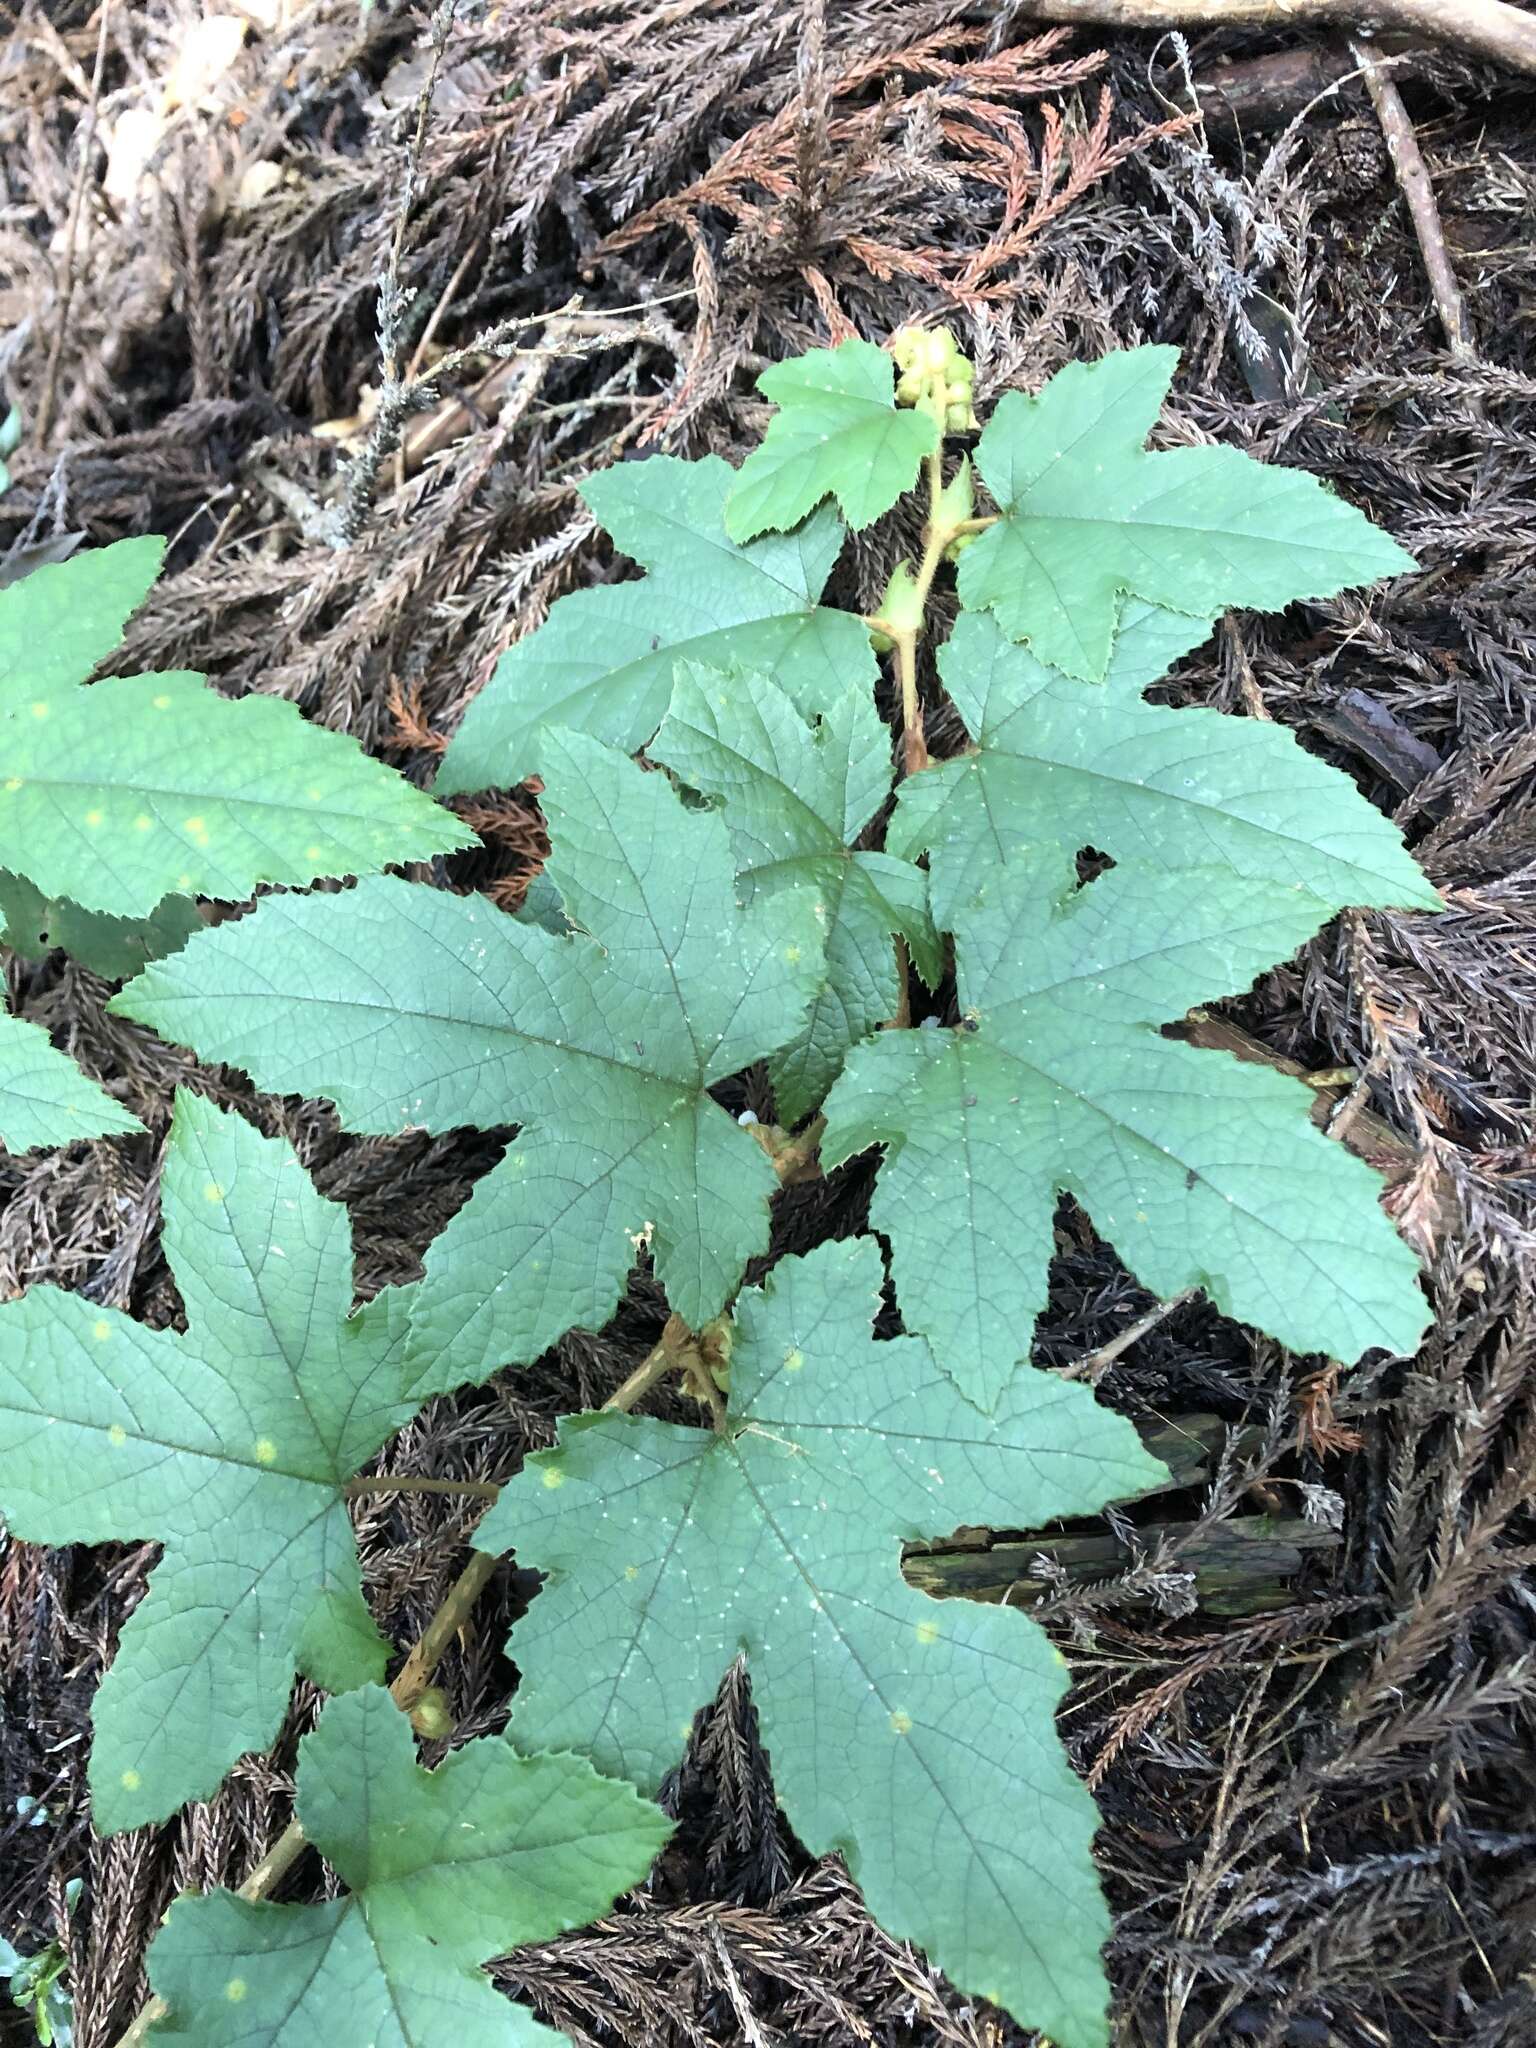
[1241, 1566]
[1485, 28]
[1413, 179]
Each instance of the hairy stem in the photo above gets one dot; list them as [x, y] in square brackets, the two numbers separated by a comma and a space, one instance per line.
[651, 1370]
[936, 538]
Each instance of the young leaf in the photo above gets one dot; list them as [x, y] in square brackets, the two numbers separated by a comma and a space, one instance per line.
[230, 1446]
[603, 662]
[913, 1736]
[44, 1097]
[838, 433]
[145, 786]
[1088, 514]
[795, 796]
[113, 947]
[64, 619]
[446, 1869]
[1072, 764]
[410, 1007]
[1201, 1171]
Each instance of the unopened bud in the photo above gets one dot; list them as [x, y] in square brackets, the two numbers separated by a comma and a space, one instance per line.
[431, 1717]
[902, 605]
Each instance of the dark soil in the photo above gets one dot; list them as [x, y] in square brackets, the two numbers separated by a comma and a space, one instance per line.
[1317, 1773]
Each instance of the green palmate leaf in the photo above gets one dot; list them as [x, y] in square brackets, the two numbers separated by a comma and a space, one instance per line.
[142, 787]
[446, 1868]
[1069, 764]
[1089, 514]
[913, 1736]
[230, 1446]
[113, 947]
[64, 619]
[1201, 1171]
[603, 663]
[838, 433]
[412, 1007]
[795, 796]
[44, 1097]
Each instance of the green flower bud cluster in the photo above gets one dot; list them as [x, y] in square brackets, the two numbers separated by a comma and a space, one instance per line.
[935, 377]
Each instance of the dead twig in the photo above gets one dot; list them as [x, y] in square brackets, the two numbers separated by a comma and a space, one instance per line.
[1484, 28]
[1417, 188]
[72, 231]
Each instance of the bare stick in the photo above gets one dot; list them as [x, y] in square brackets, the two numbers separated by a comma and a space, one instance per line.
[1094, 1364]
[1414, 182]
[71, 233]
[1487, 28]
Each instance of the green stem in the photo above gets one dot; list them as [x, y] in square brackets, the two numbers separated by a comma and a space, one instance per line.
[936, 538]
[651, 1370]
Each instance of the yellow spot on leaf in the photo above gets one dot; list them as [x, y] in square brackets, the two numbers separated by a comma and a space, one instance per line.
[927, 1632]
[131, 1781]
[315, 795]
[13, 783]
[183, 881]
[791, 955]
[142, 822]
[901, 1724]
[793, 1360]
[631, 1571]
[93, 817]
[40, 709]
[235, 1990]
[161, 703]
[266, 1451]
[312, 853]
[117, 1436]
[212, 1192]
[101, 1330]
[196, 830]
[553, 1477]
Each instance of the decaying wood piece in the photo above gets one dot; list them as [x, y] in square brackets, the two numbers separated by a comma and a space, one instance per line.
[1486, 28]
[1241, 1566]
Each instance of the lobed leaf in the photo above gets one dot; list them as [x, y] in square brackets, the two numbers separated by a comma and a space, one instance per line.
[603, 662]
[113, 947]
[446, 1869]
[409, 1007]
[914, 1737]
[795, 795]
[1201, 1171]
[838, 433]
[1070, 764]
[62, 620]
[142, 787]
[230, 1446]
[1089, 514]
[44, 1097]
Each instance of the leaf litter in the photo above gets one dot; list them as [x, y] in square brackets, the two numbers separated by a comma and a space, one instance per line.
[1319, 1806]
